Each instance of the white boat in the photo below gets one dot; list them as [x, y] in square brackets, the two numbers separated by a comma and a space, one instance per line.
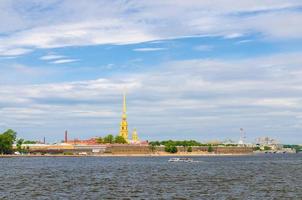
[181, 160]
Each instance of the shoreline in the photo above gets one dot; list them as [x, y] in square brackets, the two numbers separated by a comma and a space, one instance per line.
[126, 155]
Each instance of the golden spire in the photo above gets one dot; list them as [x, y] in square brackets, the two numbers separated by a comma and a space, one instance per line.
[124, 105]
[124, 124]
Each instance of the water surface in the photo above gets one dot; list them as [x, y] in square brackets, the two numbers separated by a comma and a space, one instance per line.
[237, 177]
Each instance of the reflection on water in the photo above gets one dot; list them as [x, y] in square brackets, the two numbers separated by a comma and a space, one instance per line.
[241, 177]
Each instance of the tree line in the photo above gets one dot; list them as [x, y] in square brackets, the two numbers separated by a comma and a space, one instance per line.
[110, 139]
[185, 143]
[171, 145]
[298, 148]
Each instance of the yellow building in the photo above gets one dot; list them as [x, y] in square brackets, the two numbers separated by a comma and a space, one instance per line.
[124, 124]
[134, 136]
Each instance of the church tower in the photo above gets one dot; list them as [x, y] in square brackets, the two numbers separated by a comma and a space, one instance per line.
[124, 124]
[134, 136]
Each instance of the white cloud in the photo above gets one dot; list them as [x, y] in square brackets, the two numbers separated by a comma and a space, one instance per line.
[149, 49]
[233, 35]
[57, 59]
[108, 22]
[198, 97]
[51, 57]
[61, 61]
[243, 41]
[192, 96]
[279, 102]
[14, 51]
[82, 33]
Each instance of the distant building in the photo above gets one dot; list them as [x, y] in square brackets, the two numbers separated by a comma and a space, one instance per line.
[135, 139]
[264, 142]
[134, 136]
[91, 141]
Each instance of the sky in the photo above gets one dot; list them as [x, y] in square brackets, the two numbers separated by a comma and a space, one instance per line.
[191, 69]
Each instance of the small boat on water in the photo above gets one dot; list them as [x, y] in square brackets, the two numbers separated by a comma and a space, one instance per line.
[181, 160]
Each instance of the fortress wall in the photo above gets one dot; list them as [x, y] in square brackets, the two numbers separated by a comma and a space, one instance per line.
[233, 150]
[200, 148]
[129, 149]
[215, 149]
[134, 149]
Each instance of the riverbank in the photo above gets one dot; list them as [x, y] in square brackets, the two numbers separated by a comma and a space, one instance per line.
[124, 155]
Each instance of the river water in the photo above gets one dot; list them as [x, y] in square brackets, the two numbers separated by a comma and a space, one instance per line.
[232, 177]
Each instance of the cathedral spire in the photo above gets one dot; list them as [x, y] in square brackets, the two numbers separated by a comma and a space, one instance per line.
[124, 104]
[124, 123]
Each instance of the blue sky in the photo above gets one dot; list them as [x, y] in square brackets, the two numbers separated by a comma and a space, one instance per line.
[192, 69]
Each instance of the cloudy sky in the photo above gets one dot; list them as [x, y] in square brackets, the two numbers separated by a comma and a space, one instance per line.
[192, 69]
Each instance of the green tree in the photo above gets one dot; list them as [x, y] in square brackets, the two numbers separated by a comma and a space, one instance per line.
[184, 143]
[109, 139]
[210, 149]
[189, 149]
[120, 140]
[167, 148]
[155, 143]
[266, 148]
[19, 145]
[171, 149]
[29, 142]
[152, 146]
[100, 140]
[6, 141]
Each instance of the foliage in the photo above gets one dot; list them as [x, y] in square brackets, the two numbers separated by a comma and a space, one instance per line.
[154, 143]
[100, 140]
[111, 140]
[171, 149]
[6, 141]
[152, 147]
[266, 148]
[29, 142]
[298, 148]
[210, 149]
[230, 145]
[184, 143]
[120, 140]
[108, 139]
[170, 144]
[19, 145]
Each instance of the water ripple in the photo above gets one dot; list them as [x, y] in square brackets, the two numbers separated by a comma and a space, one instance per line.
[244, 177]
